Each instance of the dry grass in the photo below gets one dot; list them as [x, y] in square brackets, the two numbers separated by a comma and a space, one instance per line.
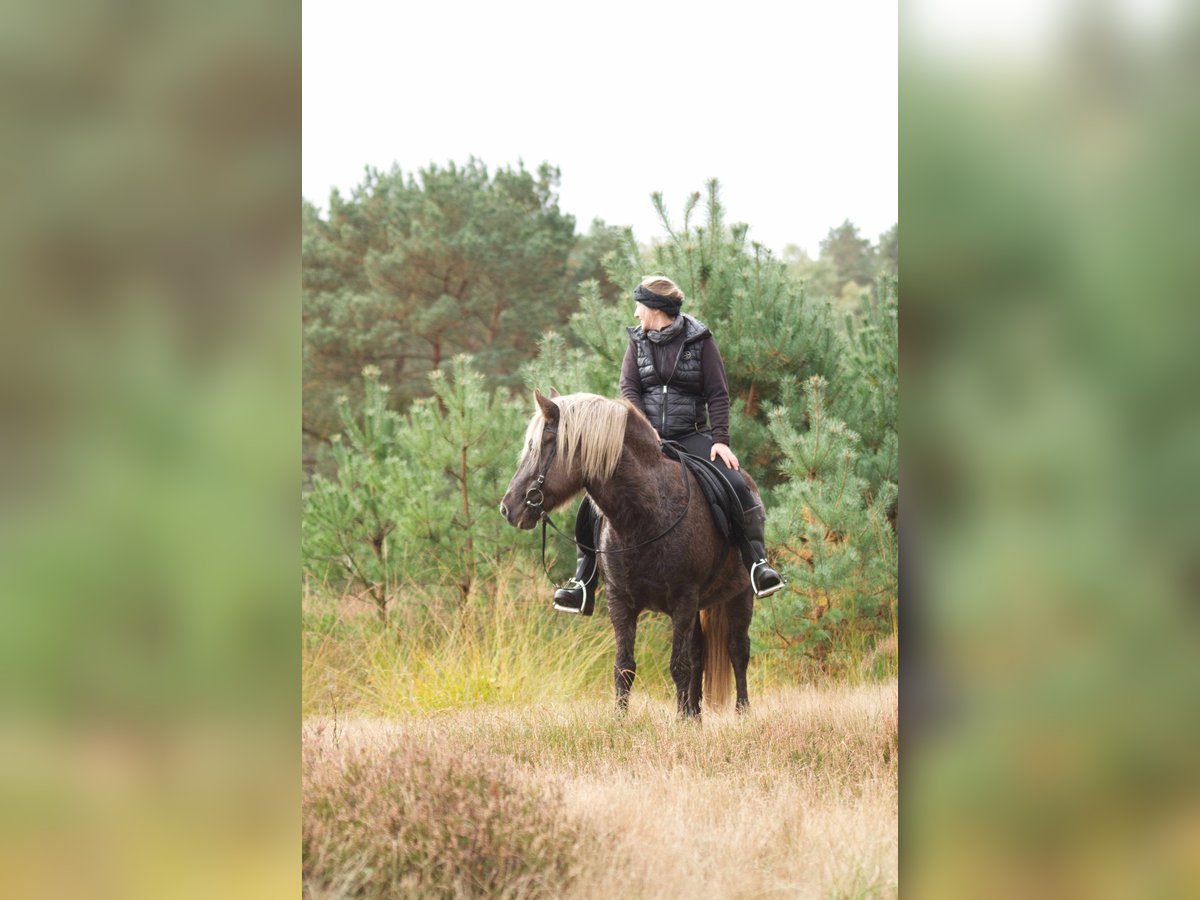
[796, 799]
[414, 821]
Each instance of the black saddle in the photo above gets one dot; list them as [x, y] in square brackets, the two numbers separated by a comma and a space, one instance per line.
[722, 500]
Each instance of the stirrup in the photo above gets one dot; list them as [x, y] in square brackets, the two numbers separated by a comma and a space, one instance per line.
[768, 591]
[571, 584]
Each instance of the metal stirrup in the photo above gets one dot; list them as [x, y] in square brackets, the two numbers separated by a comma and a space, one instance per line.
[754, 583]
[570, 609]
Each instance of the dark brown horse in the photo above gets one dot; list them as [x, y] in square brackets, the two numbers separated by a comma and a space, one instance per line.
[659, 547]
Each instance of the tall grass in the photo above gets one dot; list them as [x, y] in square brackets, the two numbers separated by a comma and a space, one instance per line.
[505, 645]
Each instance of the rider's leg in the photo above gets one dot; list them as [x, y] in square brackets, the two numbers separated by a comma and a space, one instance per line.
[579, 593]
[764, 579]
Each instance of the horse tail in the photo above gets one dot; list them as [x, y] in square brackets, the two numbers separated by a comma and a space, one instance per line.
[715, 623]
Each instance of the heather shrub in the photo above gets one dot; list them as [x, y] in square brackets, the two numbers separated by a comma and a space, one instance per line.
[407, 821]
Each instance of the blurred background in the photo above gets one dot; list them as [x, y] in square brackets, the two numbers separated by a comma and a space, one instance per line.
[150, 392]
[1048, 371]
[149, 537]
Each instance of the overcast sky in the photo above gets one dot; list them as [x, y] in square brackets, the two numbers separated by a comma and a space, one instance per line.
[792, 106]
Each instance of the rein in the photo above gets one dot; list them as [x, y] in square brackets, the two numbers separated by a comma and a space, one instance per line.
[546, 520]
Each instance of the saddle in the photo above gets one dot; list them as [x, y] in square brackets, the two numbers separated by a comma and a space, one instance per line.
[722, 500]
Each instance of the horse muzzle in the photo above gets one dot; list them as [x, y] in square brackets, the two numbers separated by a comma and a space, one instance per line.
[522, 515]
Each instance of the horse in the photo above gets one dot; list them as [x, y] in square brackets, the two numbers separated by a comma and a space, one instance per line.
[660, 549]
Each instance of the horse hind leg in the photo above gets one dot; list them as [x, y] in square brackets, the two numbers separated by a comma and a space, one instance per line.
[696, 687]
[684, 622]
[739, 647]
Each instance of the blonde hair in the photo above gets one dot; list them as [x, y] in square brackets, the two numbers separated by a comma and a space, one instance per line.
[590, 427]
[663, 286]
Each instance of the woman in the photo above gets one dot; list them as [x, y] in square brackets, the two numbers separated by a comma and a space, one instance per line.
[673, 373]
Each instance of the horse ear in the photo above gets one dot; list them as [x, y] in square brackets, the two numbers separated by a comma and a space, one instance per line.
[549, 410]
[553, 393]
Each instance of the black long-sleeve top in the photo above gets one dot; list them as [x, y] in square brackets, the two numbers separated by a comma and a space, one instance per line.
[714, 388]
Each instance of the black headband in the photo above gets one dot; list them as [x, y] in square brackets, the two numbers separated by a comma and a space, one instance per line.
[670, 305]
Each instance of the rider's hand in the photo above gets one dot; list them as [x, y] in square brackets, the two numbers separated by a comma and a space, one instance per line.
[727, 457]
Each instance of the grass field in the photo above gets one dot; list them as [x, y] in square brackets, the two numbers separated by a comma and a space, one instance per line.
[798, 798]
[477, 753]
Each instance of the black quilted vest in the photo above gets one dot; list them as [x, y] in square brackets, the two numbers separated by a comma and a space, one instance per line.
[676, 407]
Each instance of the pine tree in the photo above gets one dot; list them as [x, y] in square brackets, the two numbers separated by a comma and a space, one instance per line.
[833, 538]
[587, 357]
[587, 259]
[888, 252]
[413, 499]
[457, 452]
[869, 396]
[851, 255]
[414, 269]
[817, 276]
[350, 519]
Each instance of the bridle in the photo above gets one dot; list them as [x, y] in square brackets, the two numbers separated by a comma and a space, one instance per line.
[538, 505]
[536, 488]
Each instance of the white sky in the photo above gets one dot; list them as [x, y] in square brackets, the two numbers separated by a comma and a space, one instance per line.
[792, 106]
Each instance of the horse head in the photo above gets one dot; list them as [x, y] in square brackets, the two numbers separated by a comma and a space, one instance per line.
[545, 479]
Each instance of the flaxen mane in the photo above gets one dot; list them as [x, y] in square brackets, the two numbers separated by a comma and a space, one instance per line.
[590, 427]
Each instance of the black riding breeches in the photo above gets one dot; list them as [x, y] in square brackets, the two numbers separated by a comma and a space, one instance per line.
[585, 523]
[700, 443]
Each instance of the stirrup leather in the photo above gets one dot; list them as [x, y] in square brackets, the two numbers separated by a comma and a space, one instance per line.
[765, 592]
[573, 583]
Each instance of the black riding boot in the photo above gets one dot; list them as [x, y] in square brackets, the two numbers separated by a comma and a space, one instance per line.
[579, 593]
[763, 578]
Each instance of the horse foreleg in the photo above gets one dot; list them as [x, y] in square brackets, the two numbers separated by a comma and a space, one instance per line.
[624, 624]
[684, 621]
